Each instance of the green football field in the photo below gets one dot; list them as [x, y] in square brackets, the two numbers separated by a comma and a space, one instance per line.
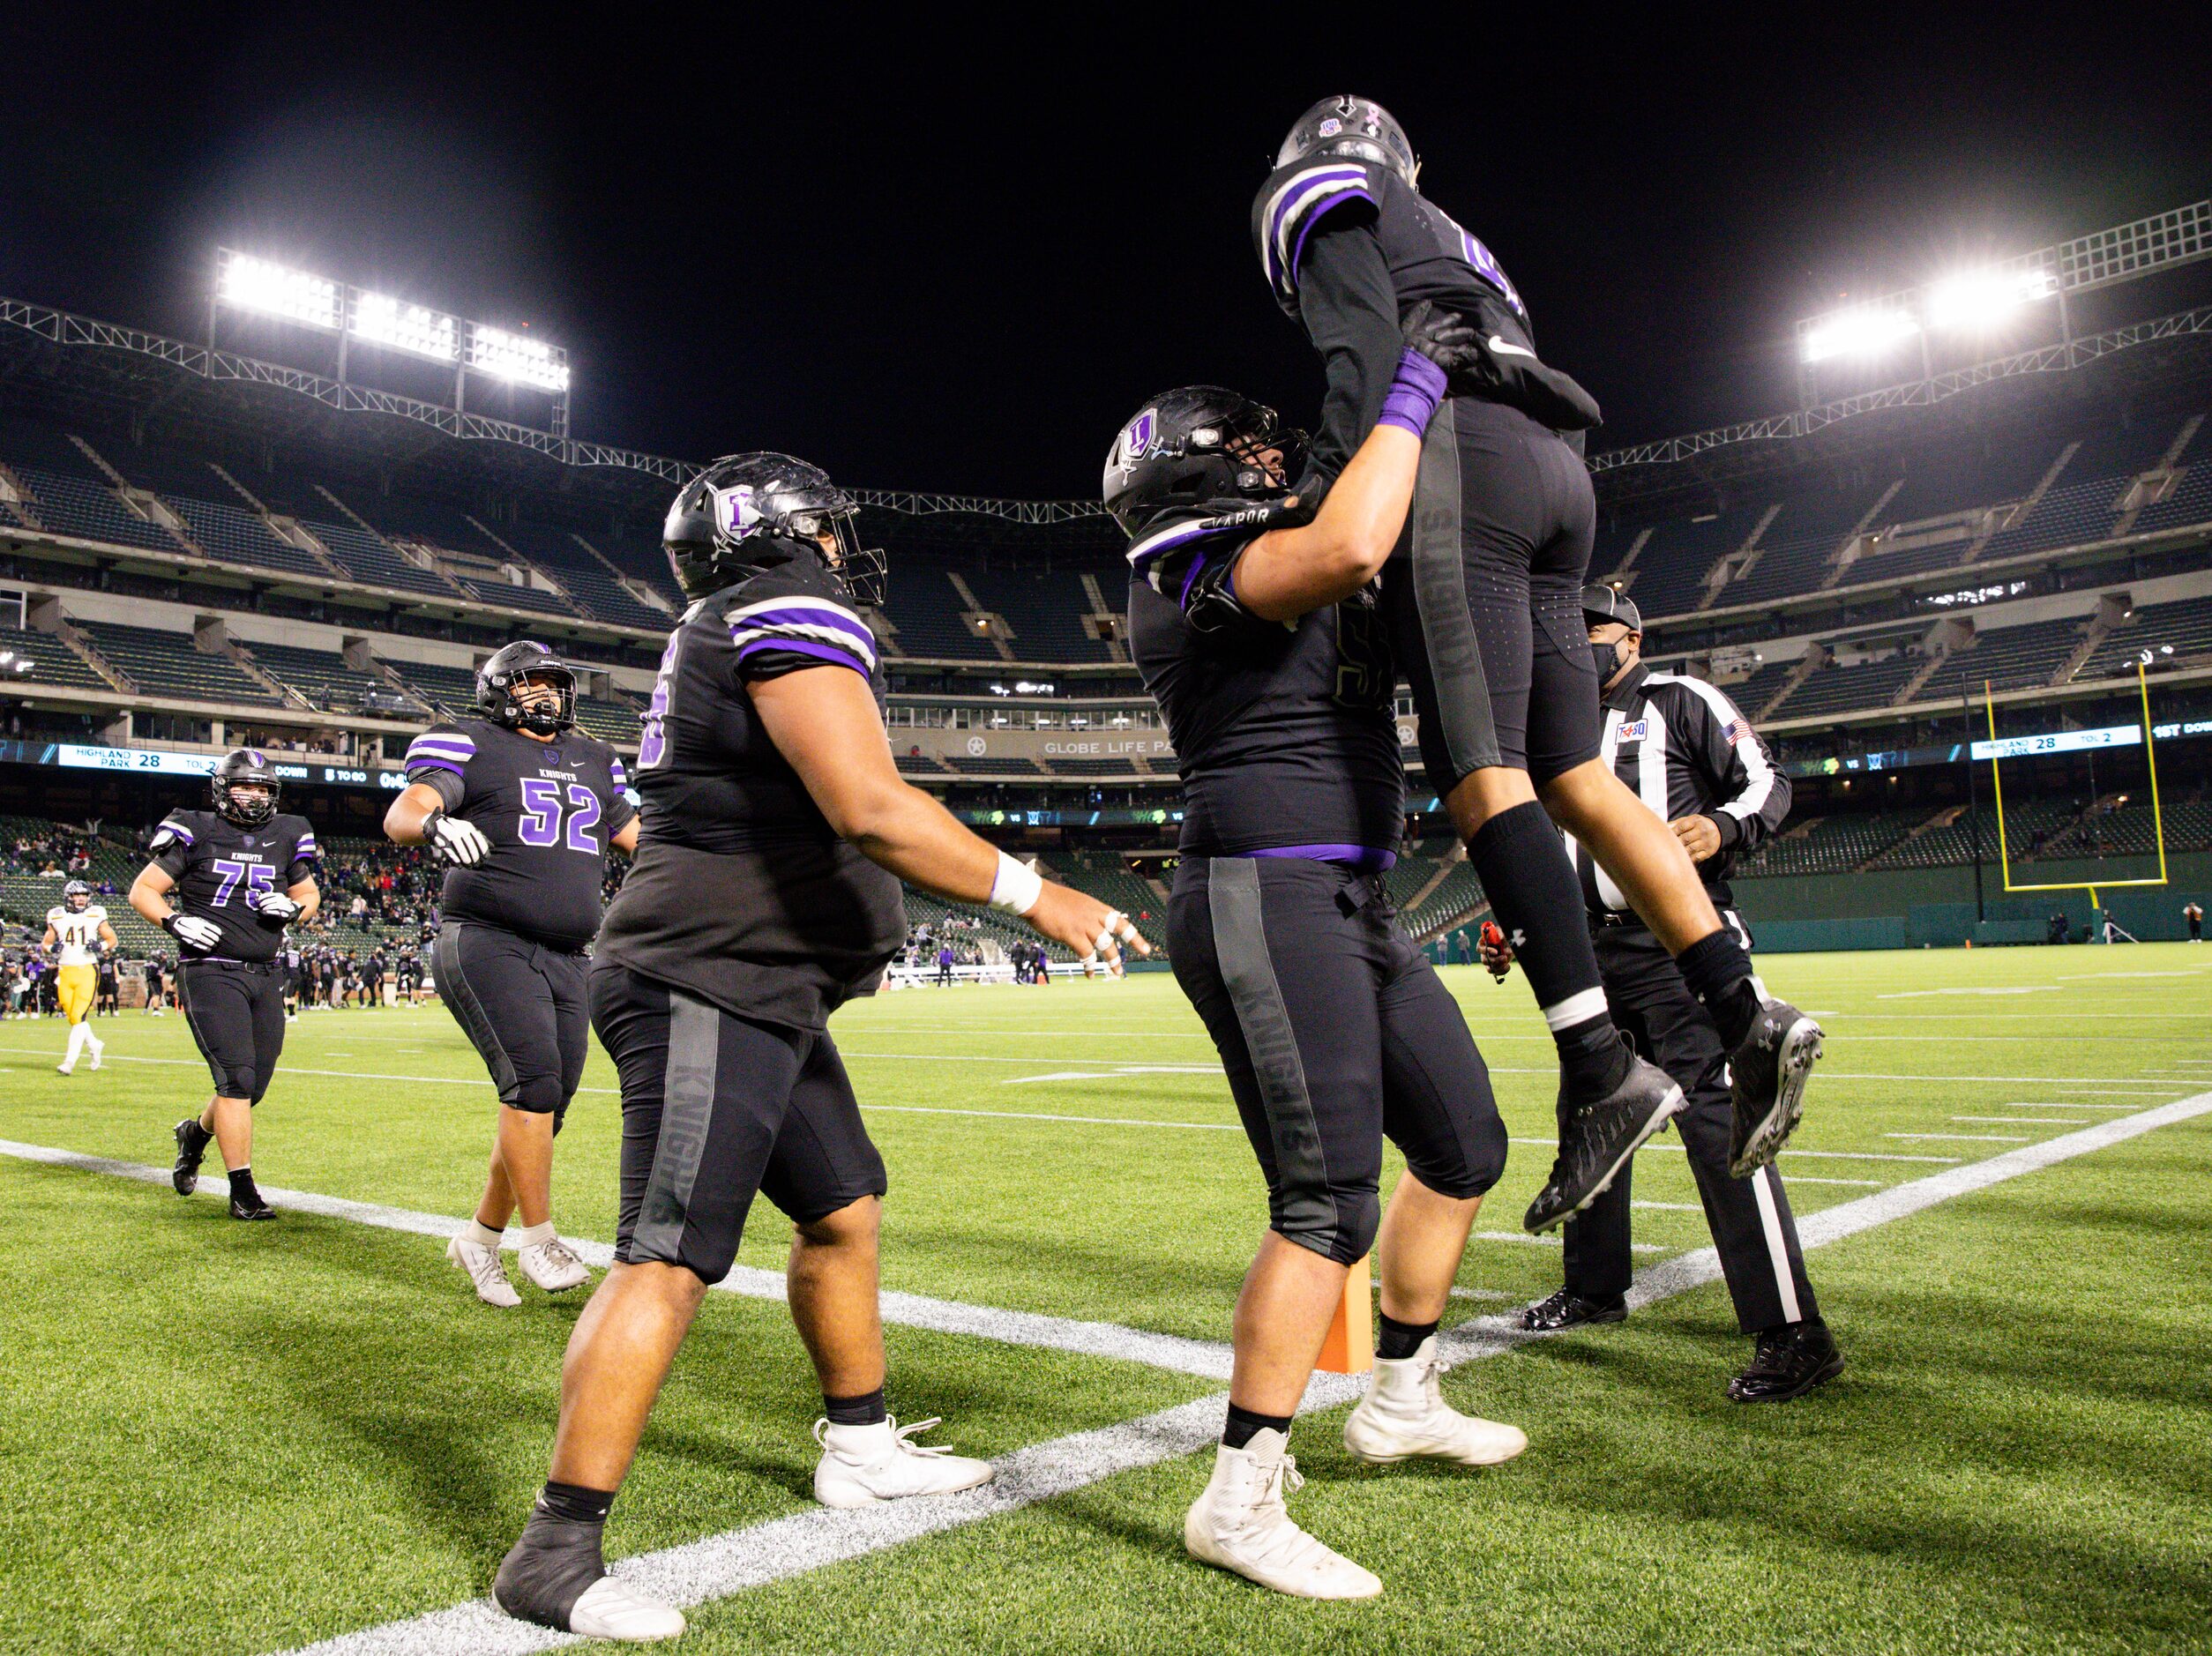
[228, 1438]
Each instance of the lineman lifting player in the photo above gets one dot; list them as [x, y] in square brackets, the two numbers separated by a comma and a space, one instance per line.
[764, 894]
[225, 883]
[1483, 604]
[522, 808]
[1255, 627]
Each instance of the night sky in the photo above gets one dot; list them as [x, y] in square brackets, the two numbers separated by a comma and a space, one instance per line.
[954, 259]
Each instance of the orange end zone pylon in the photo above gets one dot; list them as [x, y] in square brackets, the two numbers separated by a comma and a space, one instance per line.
[1349, 1346]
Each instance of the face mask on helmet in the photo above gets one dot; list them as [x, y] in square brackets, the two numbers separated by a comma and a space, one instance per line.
[549, 712]
[244, 803]
[748, 512]
[1197, 445]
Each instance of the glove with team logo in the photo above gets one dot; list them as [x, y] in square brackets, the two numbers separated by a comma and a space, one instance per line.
[273, 907]
[460, 843]
[195, 934]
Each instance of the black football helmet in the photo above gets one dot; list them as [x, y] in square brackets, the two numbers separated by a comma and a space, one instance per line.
[506, 670]
[241, 765]
[1346, 126]
[1198, 443]
[748, 512]
[77, 896]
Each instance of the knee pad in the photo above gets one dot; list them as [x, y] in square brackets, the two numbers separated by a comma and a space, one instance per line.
[539, 1095]
[240, 1084]
[1349, 1239]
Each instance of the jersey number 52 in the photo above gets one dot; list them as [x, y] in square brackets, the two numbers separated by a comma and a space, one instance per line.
[541, 823]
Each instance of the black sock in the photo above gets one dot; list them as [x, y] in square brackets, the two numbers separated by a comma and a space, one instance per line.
[1401, 1340]
[1531, 885]
[1242, 1423]
[866, 1410]
[241, 1182]
[1719, 973]
[573, 1503]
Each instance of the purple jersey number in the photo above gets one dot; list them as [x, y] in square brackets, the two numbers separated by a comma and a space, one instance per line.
[541, 821]
[652, 745]
[258, 878]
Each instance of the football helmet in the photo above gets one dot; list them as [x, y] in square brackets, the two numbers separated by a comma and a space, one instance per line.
[77, 896]
[1346, 126]
[747, 512]
[239, 767]
[507, 670]
[1195, 444]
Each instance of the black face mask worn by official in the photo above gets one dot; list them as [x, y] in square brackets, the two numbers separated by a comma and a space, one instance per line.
[1606, 659]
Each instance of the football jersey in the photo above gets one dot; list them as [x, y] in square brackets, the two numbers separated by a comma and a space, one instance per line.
[741, 891]
[1350, 290]
[77, 936]
[549, 809]
[221, 871]
[1283, 731]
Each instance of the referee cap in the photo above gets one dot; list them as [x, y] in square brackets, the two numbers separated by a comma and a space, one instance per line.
[1601, 602]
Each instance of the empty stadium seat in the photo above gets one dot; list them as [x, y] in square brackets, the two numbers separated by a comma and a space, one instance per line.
[167, 664]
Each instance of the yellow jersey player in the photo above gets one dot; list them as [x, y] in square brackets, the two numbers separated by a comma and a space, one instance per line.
[78, 927]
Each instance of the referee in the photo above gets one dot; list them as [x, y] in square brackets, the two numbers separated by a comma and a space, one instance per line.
[1683, 748]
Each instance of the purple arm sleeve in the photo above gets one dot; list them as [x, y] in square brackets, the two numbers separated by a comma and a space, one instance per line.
[1413, 396]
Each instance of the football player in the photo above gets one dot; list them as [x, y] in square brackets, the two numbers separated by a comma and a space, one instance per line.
[764, 894]
[78, 927]
[1254, 624]
[521, 807]
[225, 883]
[1484, 608]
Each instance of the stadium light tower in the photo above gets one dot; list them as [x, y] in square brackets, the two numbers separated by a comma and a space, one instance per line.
[355, 316]
[1966, 306]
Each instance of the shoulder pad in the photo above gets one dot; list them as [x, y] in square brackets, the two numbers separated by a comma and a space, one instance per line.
[782, 610]
[177, 829]
[1166, 550]
[1296, 197]
[445, 747]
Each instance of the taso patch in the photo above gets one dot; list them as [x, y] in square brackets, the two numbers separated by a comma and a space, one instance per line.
[1636, 732]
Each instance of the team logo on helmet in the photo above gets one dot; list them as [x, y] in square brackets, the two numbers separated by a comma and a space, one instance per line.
[735, 513]
[1135, 441]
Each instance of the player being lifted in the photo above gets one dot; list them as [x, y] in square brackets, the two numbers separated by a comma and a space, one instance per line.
[78, 929]
[764, 894]
[1484, 605]
[1255, 626]
[225, 883]
[522, 807]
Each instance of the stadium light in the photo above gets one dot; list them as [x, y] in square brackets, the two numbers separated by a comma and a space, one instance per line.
[1867, 331]
[514, 358]
[380, 319]
[257, 284]
[1983, 299]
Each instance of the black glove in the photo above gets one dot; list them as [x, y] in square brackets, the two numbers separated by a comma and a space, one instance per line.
[1495, 370]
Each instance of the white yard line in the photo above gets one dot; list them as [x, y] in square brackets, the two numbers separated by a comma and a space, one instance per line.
[1208, 1359]
[1965, 1138]
[2017, 1121]
[721, 1565]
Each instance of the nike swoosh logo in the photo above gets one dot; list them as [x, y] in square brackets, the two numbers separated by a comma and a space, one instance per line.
[1498, 344]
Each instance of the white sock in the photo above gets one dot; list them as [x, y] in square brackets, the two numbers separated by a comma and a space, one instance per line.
[482, 1235]
[531, 1235]
[75, 1042]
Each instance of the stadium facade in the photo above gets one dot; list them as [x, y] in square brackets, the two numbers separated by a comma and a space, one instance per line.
[200, 548]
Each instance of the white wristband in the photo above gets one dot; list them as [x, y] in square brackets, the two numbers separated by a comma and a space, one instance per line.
[1016, 887]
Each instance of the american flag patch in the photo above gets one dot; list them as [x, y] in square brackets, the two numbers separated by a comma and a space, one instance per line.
[1736, 730]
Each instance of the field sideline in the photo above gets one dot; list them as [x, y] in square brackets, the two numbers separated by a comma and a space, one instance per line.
[251, 1438]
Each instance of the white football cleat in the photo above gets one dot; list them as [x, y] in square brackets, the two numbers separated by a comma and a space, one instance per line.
[1404, 1415]
[61, 1069]
[862, 1465]
[552, 1266]
[485, 1270]
[99, 1051]
[1240, 1523]
[610, 1610]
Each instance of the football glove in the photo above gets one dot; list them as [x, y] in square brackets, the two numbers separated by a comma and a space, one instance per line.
[273, 907]
[460, 843]
[199, 935]
[1497, 370]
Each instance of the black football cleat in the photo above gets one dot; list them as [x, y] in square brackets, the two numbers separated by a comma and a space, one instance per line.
[192, 1140]
[249, 1206]
[1791, 1362]
[1766, 1082]
[1569, 1310]
[1598, 1138]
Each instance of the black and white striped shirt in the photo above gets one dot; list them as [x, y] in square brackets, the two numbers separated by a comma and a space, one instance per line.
[1683, 748]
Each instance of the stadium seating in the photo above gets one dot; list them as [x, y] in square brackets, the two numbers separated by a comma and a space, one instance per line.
[1092, 768]
[91, 510]
[167, 664]
[968, 766]
[451, 690]
[239, 537]
[1044, 611]
[1670, 570]
[610, 721]
[926, 612]
[2009, 657]
[320, 675]
[1460, 892]
[2184, 627]
[588, 580]
[1835, 690]
[52, 661]
[370, 559]
[1833, 845]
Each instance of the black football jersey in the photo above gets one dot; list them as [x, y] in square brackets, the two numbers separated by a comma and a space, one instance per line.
[1283, 731]
[1350, 290]
[741, 891]
[549, 809]
[221, 871]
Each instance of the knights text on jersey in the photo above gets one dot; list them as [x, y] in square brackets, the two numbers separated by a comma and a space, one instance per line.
[222, 872]
[1284, 732]
[741, 891]
[549, 809]
[77, 935]
[1682, 746]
